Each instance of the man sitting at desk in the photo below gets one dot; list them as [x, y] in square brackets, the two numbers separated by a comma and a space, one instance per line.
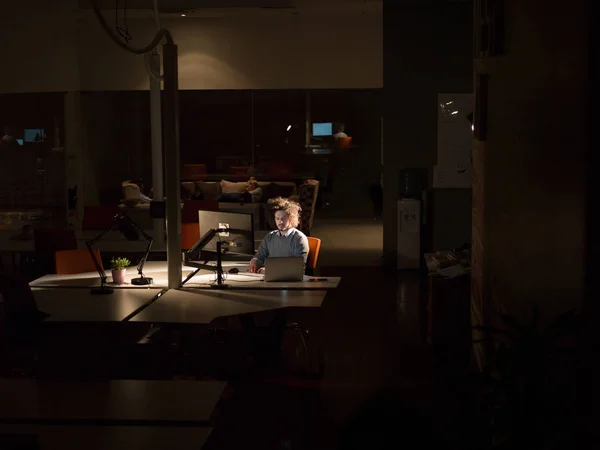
[286, 240]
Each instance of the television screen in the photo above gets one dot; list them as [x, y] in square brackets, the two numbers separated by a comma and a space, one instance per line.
[322, 129]
[33, 135]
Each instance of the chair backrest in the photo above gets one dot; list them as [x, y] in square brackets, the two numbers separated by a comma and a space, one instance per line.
[190, 234]
[344, 142]
[190, 229]
[76, 261]
[307, 197]
[99, 217]
[314, 246]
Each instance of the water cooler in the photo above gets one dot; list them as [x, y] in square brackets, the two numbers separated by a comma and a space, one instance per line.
[411, 217]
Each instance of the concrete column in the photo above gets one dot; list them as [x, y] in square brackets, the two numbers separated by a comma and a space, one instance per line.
[158, 225]
[172, 162]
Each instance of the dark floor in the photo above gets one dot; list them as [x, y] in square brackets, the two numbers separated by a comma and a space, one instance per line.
[375, 357]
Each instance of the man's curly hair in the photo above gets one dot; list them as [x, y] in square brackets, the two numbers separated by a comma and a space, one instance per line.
[291, 208]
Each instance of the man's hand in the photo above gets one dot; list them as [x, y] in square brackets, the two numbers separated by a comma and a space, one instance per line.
[253, 266]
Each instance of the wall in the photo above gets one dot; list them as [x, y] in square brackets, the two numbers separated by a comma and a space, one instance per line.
[116, 139]
[66, 50]
[534, 159]
[39, 52]
[427, 50]
[285, 53]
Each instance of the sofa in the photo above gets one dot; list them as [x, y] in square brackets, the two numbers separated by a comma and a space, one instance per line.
[211, 190]
[305, 194]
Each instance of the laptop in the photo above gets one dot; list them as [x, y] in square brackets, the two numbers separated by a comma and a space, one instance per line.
[284, 269]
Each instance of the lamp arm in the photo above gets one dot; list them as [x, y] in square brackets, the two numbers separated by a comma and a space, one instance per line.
[140, 266]
[140, 230]
[204, 240]
[101, 235]
[99, 268]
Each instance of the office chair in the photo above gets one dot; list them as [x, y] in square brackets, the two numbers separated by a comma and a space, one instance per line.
[314, 246]
[76, 261]
[190, 229]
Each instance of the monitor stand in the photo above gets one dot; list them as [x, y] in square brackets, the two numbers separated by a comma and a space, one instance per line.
[220, 282]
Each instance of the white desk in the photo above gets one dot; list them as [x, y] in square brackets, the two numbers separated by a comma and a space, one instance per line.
[242, 281]
[203, 279]
[115, 401]
[157, 270]
[78, 305]
[199, 306]
[64, 437]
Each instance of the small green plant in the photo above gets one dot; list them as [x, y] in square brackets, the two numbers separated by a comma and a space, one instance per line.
[119, 263]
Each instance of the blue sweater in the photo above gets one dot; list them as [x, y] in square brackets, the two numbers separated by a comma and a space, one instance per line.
[292, 243]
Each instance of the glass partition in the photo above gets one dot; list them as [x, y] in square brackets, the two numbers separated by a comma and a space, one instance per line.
[32, 178]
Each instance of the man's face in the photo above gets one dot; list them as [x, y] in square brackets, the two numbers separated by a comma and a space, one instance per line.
[282, 220]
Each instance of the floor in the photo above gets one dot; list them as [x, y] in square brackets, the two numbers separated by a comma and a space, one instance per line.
[377, 372]
[377, 368]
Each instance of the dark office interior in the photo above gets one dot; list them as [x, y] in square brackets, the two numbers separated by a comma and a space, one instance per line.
[439, 153]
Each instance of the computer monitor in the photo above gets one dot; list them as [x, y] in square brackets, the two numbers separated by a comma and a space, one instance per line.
[239, 241]
[322, 129]
[20, 141]
[33, 135]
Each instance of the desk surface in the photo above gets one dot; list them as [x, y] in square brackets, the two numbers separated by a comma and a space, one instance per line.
[198, 306]
[155, 269]
[158, 271]
[117, 401]
[62, 437]
[251, 281]
[78, 305]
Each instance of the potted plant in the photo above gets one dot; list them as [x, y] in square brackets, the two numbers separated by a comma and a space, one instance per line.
[119, 268]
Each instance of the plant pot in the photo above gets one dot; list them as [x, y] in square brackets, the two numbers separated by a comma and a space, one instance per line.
[118, 276]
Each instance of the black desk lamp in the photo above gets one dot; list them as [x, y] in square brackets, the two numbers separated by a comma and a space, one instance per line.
[132, 232]
[204, 240]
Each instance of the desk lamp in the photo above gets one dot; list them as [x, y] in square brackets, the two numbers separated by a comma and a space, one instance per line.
[132, 232]
[198, 246]
[223, 247]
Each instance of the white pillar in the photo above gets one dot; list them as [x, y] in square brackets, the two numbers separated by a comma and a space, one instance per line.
[172, 178]
[73, 152]
[158, 226]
